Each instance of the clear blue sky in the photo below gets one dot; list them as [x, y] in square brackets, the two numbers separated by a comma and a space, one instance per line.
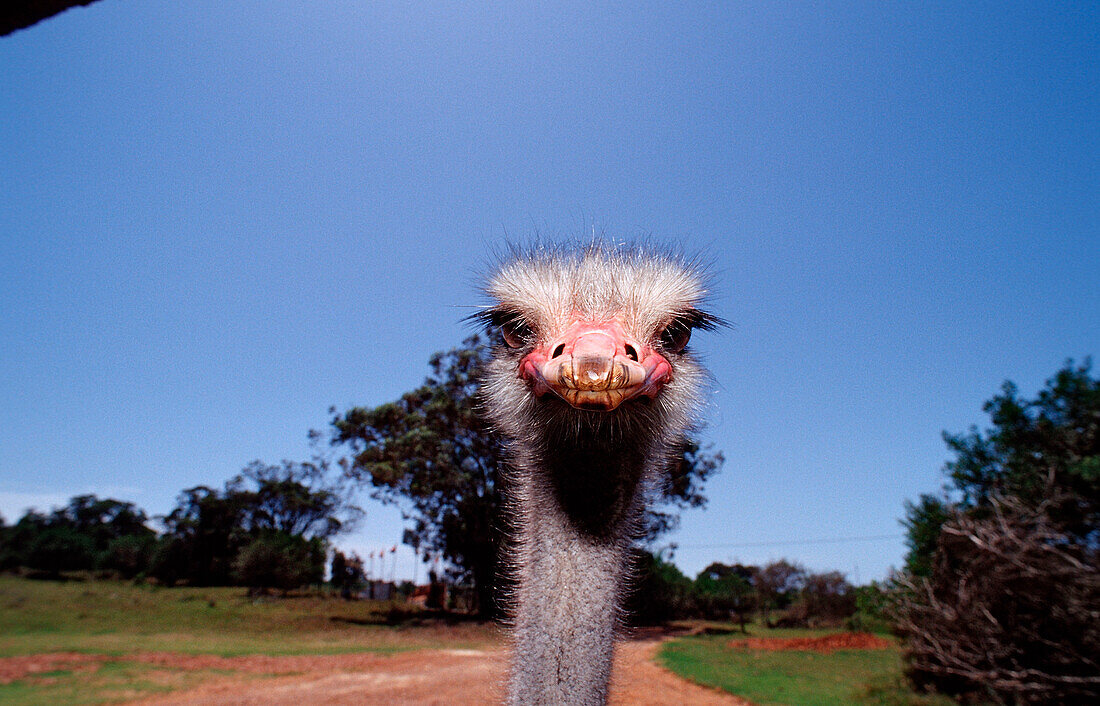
[218, 219]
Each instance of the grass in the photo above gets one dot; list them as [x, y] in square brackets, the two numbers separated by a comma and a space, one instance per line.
[112, 617]
[118, 619]
[112, 682]
[796, 677]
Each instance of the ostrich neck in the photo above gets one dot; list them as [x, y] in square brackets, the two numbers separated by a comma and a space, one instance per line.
[577, 503]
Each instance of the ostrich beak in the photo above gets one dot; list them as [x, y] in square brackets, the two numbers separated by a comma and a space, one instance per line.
[595, 366]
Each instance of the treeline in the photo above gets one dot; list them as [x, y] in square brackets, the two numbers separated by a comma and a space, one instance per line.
[269, 527]
[778, 594]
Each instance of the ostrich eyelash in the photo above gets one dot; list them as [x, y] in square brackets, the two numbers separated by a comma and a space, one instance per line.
[675, 335]
[513, 327]
[699, 319]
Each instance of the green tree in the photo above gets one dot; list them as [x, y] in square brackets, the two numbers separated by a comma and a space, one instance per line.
[59, 548]
[660, 593]
[87, 533]
[103, 520]
[296, 499]
[6, 548]
[19, 537]
[431, 453]
[1035, 450]
[121, 540]
[923, 521]
[347, 573]
[1036, 447]
[683, 488]
[272, 509]
[203, 535]
[279, 560]
[128, 555]
[722, 591]
[872, 607]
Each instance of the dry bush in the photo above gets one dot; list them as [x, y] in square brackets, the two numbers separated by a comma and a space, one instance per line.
[1011, 611]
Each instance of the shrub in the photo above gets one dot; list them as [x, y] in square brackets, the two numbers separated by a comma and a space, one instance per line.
[1011, 611]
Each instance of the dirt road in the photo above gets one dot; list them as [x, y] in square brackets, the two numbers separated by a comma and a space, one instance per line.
[420, 677]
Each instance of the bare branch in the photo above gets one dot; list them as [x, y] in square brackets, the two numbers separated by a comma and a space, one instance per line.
[1009, 611]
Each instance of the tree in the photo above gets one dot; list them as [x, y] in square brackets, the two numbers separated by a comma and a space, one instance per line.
[129, 555]
[827, 598]
[1000, 578]
[59, 548]
[7, 551]
[121, 540]
[873, 602]
[279, 560]
[431, 453]
[683, 488]
[282, 514]
[296, 499]
[777, 584]
[88, 533]
[347, 573]
[203, 535]
[722, 590]
[1035, 450]
[19, 537]
[660, 592]
[1037, 446]
[923, 521]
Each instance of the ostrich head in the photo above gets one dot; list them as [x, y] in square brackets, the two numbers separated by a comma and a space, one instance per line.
[592, 379]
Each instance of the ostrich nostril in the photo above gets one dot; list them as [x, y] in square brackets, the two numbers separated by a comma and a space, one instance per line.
[558, 351]
[631, 353]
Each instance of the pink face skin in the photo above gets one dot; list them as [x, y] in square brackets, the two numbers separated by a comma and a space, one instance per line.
[595, 365]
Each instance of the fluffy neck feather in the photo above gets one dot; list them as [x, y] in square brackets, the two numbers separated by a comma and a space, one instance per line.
[577, 501]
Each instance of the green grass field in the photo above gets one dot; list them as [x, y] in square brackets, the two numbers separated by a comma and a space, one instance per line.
[796, 677]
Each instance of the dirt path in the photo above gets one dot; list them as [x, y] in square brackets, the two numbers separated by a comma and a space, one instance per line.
[420, 677]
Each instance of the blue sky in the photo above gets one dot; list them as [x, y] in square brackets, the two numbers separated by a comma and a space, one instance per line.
[219, 219]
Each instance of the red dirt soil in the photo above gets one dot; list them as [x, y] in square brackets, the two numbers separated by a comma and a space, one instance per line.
[824, 644]
[12, 668]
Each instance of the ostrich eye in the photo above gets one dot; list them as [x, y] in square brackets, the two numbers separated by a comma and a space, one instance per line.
[510, 325]
[676, 336]
[515, 333]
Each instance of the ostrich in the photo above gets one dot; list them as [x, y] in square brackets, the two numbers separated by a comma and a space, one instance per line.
[592, 387]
